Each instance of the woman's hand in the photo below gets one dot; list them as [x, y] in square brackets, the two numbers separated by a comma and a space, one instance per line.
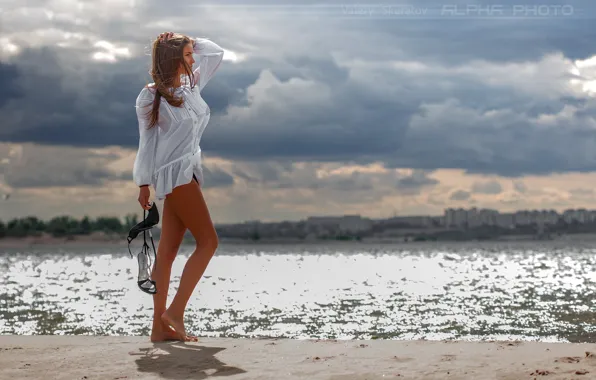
[163, 37]
[144, 194]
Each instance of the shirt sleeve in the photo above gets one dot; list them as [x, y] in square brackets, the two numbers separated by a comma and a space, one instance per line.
[144, 164]
[210, 57]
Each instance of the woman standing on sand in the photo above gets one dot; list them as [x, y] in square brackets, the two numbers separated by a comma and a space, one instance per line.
[172, 116]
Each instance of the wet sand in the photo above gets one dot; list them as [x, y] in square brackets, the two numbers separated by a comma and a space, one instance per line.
[87, 357]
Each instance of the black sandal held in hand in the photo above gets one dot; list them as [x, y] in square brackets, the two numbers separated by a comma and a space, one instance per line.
[146, 284]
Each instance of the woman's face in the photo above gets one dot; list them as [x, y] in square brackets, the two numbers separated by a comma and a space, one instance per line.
[188, 57]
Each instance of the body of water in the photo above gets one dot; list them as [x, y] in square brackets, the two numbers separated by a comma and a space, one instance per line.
[529, 291]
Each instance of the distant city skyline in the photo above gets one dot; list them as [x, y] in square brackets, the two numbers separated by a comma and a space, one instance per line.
[528, 222]
[455, 224]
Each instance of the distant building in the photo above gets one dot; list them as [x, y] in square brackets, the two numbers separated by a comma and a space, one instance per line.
[506, 220]
[414, 221]
[458, 218]
[346, 223]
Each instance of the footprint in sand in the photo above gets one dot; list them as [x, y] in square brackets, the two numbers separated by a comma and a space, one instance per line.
[319, 358]
[568, 359]
[448, 358]
[540, 372]
[402, 359]
[504, 345]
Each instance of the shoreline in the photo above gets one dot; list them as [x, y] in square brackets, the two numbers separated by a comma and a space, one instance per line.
[87, 240]
[106, 357]
[98, 240]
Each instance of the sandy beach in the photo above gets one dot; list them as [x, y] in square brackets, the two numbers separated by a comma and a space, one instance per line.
[88, 357]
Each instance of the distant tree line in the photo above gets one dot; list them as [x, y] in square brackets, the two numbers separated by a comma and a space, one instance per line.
[64, 226]
[67, 226]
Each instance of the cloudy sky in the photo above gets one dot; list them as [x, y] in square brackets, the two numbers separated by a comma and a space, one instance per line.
[320, 108]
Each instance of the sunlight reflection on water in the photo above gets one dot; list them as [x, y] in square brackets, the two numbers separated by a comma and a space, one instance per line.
[456, 291]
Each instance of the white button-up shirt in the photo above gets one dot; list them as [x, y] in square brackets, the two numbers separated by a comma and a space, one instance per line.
[169, 153]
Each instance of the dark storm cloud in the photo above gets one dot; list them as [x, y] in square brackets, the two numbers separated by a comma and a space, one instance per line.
[416, 180]
[307, 176]
[452, 103]
[262, 172]
[458, 31]
[488, 187]
[50, 166]
[517, 148]
[9, 88]
[52, 112]
[460, 195]
[97, 114]
[520, 186]
[318, 69]
[217, 178]
[82, 176]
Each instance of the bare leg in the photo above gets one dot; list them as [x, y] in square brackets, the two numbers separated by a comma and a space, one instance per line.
[190, 207]
[172, 233]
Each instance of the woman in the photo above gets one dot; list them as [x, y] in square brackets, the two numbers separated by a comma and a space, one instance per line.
[172, 116]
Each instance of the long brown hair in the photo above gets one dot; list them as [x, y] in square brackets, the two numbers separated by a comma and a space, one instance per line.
[167, 57]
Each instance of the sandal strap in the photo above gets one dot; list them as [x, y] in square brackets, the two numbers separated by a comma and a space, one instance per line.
[148, 261]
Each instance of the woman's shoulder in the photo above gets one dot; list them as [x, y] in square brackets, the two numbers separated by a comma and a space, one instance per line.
[148, 89]
[147, 94]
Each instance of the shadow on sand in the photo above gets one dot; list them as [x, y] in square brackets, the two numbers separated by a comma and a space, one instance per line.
[183, 361]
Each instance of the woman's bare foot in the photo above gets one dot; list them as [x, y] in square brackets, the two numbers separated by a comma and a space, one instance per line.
[178, 326]
[164, 336]
[164, 333]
